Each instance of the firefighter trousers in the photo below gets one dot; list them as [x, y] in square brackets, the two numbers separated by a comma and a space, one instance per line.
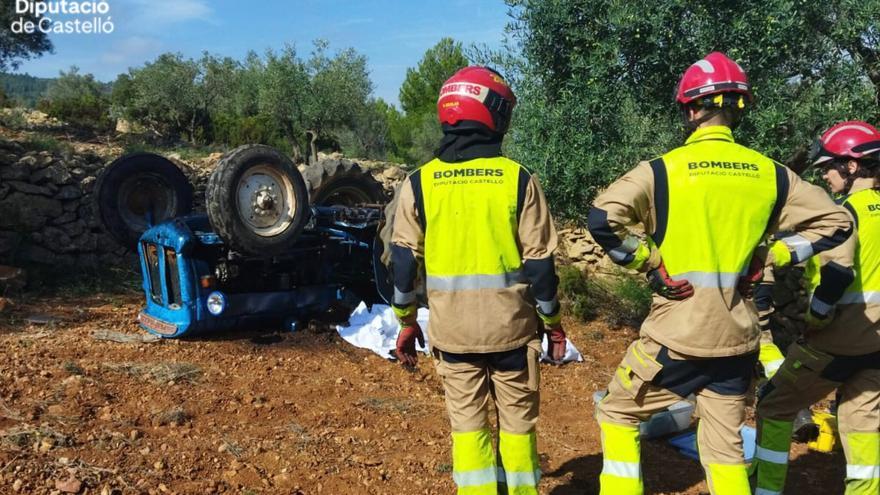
[651, 378]
[806, 377]
[509, 379]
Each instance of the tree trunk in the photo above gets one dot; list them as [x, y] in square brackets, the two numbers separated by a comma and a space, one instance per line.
[312, 137]
[296, 152]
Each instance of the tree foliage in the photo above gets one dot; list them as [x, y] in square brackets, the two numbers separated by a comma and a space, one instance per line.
[417, 133]
[18, 47]
[163, 95]
[339, 89]
[24, 89]
[368, 136]
[273, 99]
[596, 79]
[78, 99]
[418, 94]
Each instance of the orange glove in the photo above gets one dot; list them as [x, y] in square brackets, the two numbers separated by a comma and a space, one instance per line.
[410, 333]
[556, 343]
[406, 344]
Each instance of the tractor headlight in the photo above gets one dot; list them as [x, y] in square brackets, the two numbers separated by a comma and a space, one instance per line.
[216, 303]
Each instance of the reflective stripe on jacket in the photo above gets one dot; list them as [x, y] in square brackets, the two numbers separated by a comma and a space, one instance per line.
[855, 329]
[470, 223]
[719, 198]
[485, 234]
[707, 205]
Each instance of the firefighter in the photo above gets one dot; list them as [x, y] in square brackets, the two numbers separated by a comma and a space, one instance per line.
[705, 207]
[479, 224]
[841, 347]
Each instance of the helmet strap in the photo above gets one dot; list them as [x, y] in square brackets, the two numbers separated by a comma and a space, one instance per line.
[693, 123]
[732, 104]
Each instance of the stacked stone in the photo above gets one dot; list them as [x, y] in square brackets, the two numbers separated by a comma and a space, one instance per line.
[47, 215]
[578, 248]
[790, 301]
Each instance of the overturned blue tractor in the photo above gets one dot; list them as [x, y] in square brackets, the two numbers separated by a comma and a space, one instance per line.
[275, 246]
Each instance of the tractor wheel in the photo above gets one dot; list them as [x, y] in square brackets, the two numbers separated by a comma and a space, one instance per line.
[137, 191]
[342, 182]
[257, 200]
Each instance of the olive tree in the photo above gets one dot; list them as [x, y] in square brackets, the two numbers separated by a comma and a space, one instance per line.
[596, 79]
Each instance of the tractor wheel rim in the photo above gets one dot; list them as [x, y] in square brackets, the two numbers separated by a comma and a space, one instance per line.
[145, 200]
[266, 200]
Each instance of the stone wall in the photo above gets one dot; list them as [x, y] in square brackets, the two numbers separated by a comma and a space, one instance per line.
[46, 211]
[577, 247]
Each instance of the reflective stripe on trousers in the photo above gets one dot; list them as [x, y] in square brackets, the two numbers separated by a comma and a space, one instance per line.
[863, 463]
[474, 466]
[723, 479]
[728, 479]
[771, 455]
[519, 456]
[473, 463]
[621, 461]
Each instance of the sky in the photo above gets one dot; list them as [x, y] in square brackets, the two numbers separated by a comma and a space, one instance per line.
[393, 34]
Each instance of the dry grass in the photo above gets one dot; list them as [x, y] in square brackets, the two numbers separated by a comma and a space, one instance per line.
[159, 372]
[9, 413]
[73, 368]
[25, 436]
[176, 416]
[233, 448]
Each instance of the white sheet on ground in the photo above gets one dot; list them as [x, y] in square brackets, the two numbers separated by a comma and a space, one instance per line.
[377, 329]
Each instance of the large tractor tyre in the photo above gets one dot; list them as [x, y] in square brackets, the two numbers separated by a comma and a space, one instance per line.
[342, 182]
[137, 191]
[257, 200]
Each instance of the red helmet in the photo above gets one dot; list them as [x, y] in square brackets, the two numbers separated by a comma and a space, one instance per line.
[853, 139]
[714, 74]
[478, 94]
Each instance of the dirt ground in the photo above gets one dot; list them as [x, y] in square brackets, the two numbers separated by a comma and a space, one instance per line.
[269, 412]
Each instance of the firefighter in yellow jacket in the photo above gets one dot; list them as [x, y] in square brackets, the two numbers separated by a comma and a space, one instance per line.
[705, 207]
[841, 349]
[479, 222]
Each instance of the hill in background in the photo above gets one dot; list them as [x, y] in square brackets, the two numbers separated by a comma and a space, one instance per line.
[24, 88]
